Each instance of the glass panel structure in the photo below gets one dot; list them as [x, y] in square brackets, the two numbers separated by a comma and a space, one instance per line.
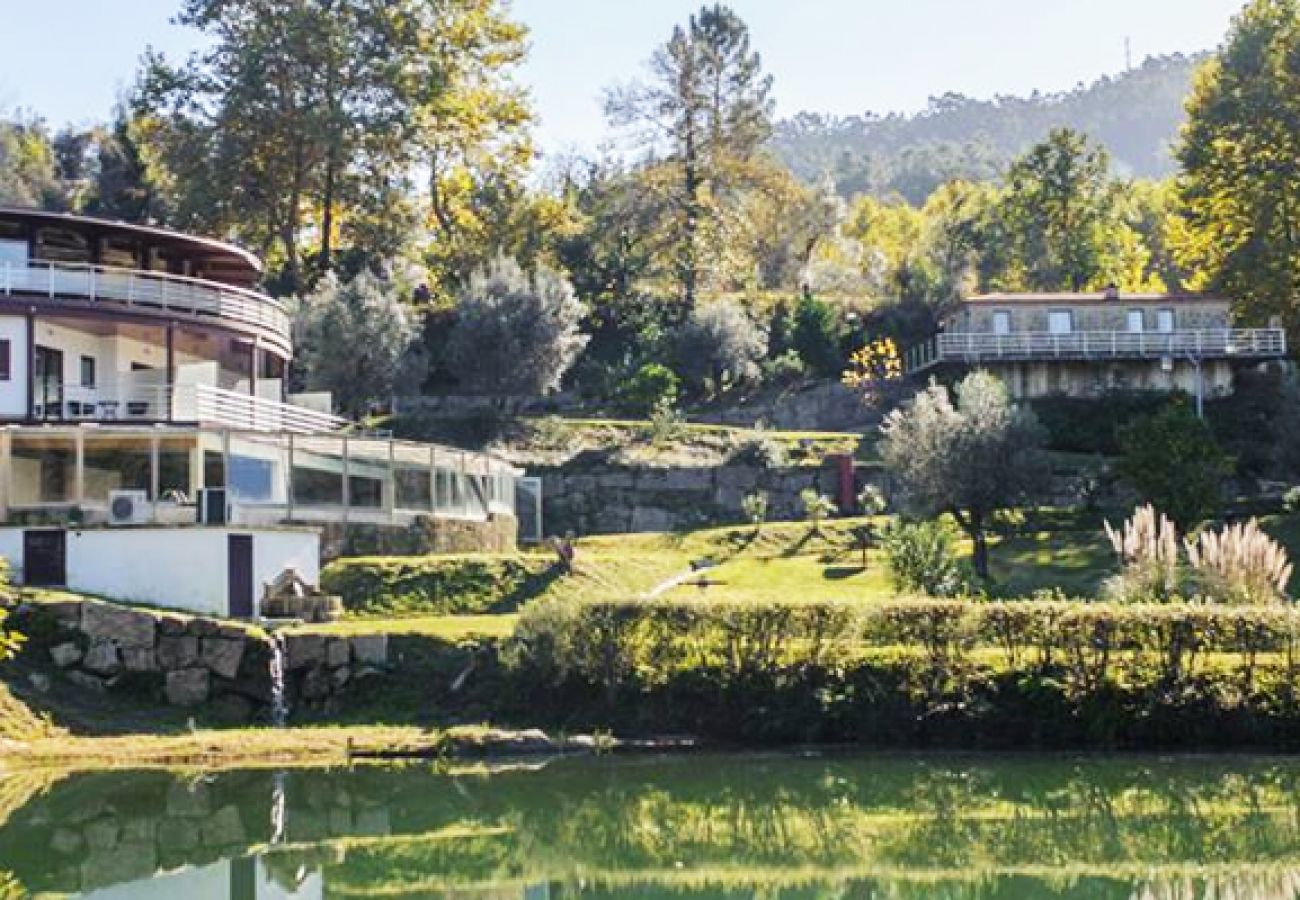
[43, 469]
[117, 463]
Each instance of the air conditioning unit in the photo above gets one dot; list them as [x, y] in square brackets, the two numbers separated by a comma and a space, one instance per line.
[128, 507]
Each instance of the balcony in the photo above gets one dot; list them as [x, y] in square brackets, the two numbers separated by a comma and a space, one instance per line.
[1033, 346]
[127, 401]
[148, 292]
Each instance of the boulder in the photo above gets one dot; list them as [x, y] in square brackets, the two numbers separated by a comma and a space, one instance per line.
[370, 649]
[139, 659]
[86, 681]
[172, 625]
[65, 654]
[316, 684]
[303, 650]
[66, 612]
[222, 656]
[187, 687]
[102, 658]
[201, 628]
[124, 627]
[178, 652]
[337, 652]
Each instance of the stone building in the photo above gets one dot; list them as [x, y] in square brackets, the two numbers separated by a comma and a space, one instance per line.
[1084, 344]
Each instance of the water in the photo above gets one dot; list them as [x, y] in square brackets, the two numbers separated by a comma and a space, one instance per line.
[879, 826]
[279, 698]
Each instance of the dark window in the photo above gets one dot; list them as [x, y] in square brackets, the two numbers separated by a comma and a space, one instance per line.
[141, 367]
[4, 360]
[88, 371]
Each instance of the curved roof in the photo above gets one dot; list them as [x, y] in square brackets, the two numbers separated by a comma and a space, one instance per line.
[234, 264]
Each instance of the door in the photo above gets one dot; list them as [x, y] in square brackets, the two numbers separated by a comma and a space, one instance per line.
[1001, 321]
[1060, 321]
[1136, 321]
[1165, 321]
[47, 382]
[239, 575]
[45, 557]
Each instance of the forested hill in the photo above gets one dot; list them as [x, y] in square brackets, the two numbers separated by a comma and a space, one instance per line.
[1135, 114]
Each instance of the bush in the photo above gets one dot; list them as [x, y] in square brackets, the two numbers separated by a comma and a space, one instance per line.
[1239, 564]
[650, 386]
[817, 336]
[784, 369]
[816, 506]
[1147, 547]
[922, 559]
[719, 345]
[1077, 425]
[755, 507]
[1171, 460]
[1291, 500]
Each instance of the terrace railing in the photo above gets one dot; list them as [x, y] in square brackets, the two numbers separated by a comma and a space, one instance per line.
[209, 405]
[145, 290]
[1210, 343]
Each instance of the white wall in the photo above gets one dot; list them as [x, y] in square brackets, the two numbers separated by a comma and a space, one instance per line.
[177, 568]
[13, 393]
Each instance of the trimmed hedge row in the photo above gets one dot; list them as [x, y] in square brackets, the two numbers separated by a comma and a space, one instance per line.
[434, 585]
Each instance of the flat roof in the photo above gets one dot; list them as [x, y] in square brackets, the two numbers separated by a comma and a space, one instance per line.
[1086, 297]
[232, 260]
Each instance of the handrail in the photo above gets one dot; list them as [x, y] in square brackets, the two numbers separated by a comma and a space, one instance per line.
[141, 288]
[217, 406]
[1033, 345]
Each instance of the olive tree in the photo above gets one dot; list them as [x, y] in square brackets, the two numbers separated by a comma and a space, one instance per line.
[354, 338]
[970, 458]
[720, 344]
[515, 334]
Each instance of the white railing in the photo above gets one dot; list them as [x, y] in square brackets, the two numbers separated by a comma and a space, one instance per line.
[121, 401]
[146, 290]
[973, 347]
[208, 405]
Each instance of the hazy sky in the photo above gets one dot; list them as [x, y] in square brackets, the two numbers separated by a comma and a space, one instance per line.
[69, 59]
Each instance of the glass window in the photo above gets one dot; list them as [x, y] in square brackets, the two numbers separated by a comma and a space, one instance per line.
[1060, 321]
[1002, 321]
[1136, 321]
[88, 371]
[43, 469]
[318, 472]
[117, 463]
[13, 253]
[175, 467]
[368, 473]
[1165, 320]
[6, 360]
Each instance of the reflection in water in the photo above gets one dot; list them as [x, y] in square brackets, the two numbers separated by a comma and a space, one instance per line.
[885, 828]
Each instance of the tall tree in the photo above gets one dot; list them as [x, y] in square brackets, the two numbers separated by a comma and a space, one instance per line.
[29, 169]
[1240, 153]
[709, 104]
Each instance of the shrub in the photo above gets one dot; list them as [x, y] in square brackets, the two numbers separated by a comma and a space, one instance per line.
[650, 386]
[667, 424]
[1291, 500]
[1147, 548]
[817, 336]
[1239, 564]
[816, 506]
[1171, 460]
[755, 507]
[871, 500]
[784, 369]
[719, 345]
[922, 559]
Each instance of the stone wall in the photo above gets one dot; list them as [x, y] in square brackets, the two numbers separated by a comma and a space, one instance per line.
[498, 533]
[1111, 315]
[189, 661]
[614, 499]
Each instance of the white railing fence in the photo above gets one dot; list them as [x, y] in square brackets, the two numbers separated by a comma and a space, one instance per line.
[146, 290]
[209, 405]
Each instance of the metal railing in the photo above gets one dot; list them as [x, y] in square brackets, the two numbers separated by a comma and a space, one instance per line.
[146, 290]
[975, 347]
[209, 405]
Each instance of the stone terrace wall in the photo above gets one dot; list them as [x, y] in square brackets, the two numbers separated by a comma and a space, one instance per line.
[496, 534]
[189, 661]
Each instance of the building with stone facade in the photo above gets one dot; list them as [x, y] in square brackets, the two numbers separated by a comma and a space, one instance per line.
[143, 392]
[1085, 344]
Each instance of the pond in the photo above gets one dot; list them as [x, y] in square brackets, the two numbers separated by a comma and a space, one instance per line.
[702, 826]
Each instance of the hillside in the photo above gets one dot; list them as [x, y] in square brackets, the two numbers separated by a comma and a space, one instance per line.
[1136, 114]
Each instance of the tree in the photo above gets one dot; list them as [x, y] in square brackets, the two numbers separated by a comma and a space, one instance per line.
[353, 338]
[515, 334]
[719, 345]
[709, 103]
[1060, 212]
[1171, 459]
[29, 173]
[1240, 154]
[970, 459]
[817, 332]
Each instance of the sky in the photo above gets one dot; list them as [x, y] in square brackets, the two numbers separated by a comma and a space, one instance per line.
[69, 60]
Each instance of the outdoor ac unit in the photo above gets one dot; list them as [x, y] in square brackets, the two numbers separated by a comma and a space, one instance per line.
[128, 507]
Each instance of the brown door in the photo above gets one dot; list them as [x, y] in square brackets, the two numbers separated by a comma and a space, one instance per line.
[45, 557]
[239, 575]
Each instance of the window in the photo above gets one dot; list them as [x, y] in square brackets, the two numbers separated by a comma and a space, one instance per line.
[1060, 321]
[6, 355]
[1002, 321]
[88, 371]
[1135, 321]
[13, 253]
[1164, 320]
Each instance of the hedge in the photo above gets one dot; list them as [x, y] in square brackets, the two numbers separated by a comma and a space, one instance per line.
[713, 665]
[435, 585]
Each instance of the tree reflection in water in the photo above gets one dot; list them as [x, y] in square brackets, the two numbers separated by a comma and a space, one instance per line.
[689, 826]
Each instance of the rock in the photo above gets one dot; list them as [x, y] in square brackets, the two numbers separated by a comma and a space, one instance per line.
[230, 631]
[172, 625]
[340, 676]
[66, 612]
[316, 684]
[187, 799]
[187, 687]
[102, 658]
[65, 654]
[303, 650]
[221, 656]
[652, 518]
[178, 652]
[39, 681]
[138, 659]
[337, 652]
[88, 682]
[370, 649]
[201, 628]
[125, 627]
[233, 707]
